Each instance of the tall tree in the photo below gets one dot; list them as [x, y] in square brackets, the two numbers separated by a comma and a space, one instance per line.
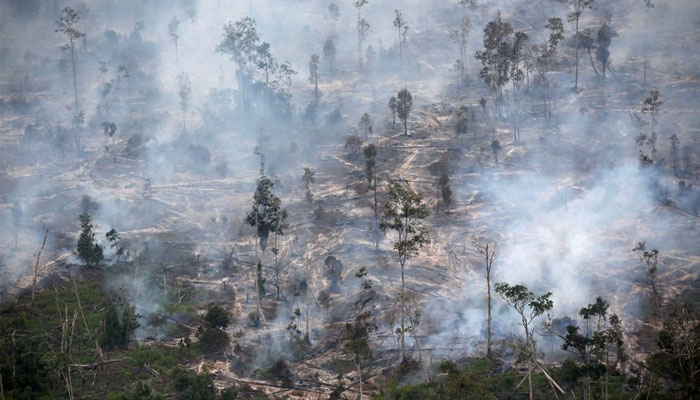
[16, 219]
[88, 249]
[308, 178]
[487, 251]
[528, 306]
[329, 51]
[404, 104]
[173, 28]
[185, 92]
[576, 8]
[267, 217]
[461, 37]
[403, 214]
[400, 24]
[314, 62]
[392, 107]
[604, 39]
[652, 106]
[363, 29]
[334, 11]
[370, 153]
[67, 26]
[648, 5]
[241, 43]
[356, 335]
[365, 124]
[495, 57]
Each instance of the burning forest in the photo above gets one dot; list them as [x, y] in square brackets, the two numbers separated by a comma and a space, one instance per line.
[349, 199]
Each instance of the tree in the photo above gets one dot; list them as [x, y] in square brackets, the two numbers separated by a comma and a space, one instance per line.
[191, 385]
[466, 121]
[109, 129]
[674, 154]
[577, 7]
[334, 11]
[353, 143]
[113, 238]
[173, 28]
[241, 43]
[88, 249]
[489, 253]
[403, 213]
[404, 104]
[517, 76]
[400, 24]
[495, 57]
[329, 53]
[212, 332]
[120, 322]
[314, 73]
[495, 148]
[593, 346]
[528, 306]
[16, 219]
[365, 124]
[265, 61]
[648, 5]
[267, 216]
[650, 257]
[308, 179]
[461, 37]
[370, 153]
[356, 335]
[677, 358]
[445, 191]
[363, 28]
[393, 107]
[67, 26]
[148, 193]
[604, 39]
[652, 106]
[185, 92]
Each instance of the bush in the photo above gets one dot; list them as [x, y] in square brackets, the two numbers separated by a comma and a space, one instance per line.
[217, 317]
[193, 386]
[211, 333]
[118, 326]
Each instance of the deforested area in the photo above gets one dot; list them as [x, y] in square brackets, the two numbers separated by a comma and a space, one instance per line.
[349, 199]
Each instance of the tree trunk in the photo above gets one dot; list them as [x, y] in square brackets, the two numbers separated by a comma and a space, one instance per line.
[307, 335]
[75, 79]
[316, 83]
[257, 265]
[420, 354]
[403, 315]
[577, 43]
[359, 373]
[36, 267]
[489, 353]
[376, 219]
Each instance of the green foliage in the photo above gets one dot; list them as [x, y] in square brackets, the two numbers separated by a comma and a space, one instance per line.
[404, 105]
[453, 385]
[119, 322]
[217, 317]
[211, 333]
[677, 358]
[88, 249]
[267, 216]
[193, 386]
[403, 213]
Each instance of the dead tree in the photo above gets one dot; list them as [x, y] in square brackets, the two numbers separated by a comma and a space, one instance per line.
[487, 251]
